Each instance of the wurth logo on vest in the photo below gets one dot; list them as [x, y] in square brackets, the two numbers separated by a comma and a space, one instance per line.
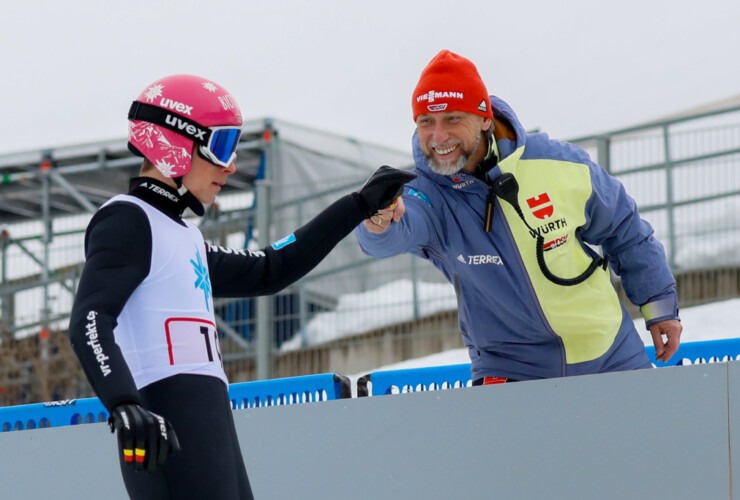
[433, 94]
[549, 227]
[541, 206]
[176, 106]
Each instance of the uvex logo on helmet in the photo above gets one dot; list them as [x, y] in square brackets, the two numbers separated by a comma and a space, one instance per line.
[176, 106]
[188, 128]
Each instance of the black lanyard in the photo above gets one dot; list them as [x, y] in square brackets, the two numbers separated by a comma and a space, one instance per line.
[506, 187]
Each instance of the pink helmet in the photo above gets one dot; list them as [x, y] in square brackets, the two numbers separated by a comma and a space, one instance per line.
[178, 110]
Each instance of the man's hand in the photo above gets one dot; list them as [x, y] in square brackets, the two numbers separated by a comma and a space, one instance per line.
[382, 188]
[145, 438]
[671, 328]
[381, 221]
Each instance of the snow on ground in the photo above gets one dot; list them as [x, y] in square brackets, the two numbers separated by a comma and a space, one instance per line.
[386, 305]
[391, 304]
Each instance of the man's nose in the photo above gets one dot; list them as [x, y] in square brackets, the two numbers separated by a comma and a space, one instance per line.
[439, 133]
[231, 168]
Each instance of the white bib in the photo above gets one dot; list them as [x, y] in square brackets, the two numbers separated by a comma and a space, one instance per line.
[167, 326]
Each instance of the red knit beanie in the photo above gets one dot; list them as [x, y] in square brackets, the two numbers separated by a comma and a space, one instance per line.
[451, 83]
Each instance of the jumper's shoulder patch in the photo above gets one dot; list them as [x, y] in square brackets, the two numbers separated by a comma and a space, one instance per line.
[284, 242]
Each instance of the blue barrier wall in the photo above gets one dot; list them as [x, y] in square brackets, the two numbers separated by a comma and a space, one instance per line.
[445, 377]
[294, 390]
[325, 387]
[709, 351]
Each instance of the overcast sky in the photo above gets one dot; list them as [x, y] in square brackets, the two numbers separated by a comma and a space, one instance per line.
[70, 69]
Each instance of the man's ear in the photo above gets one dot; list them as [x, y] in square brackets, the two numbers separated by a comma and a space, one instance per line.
[487, 123]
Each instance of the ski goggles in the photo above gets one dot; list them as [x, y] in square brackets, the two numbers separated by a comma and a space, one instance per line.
[216, 144]
[221, 146]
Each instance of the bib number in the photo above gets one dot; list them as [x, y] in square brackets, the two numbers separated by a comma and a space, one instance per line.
[192, 340]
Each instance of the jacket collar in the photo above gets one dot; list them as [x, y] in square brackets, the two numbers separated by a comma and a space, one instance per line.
[158, 194]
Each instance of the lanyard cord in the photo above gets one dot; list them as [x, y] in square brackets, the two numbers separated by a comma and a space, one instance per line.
[507, 188]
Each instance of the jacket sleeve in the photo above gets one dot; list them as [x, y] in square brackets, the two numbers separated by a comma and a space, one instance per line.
[415, 231]
[613, 221]
[118, 256]
[241, 273]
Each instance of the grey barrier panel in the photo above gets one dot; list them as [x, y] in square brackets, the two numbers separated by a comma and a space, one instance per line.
[646, 434]
[733, 382]
[71, 462]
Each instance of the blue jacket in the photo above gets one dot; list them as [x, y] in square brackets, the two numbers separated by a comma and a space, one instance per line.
[514, 321]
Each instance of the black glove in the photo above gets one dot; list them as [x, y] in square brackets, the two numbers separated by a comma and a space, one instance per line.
[384, 186]
[145, 438]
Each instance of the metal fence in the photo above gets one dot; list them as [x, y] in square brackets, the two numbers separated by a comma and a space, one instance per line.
[682, 172]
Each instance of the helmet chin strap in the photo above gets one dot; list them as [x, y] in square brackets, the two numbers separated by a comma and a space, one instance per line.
[190, 200]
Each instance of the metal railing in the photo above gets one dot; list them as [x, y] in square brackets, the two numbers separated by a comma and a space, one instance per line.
[684, 174]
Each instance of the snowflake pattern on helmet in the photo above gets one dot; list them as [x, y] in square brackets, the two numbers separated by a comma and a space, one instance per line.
[209, 86]
[172, 158]
[153, 92]
[144, 132]
[172, 153]
[165, 168]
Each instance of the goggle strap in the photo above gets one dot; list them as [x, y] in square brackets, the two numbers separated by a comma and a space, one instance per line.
[169, 120]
